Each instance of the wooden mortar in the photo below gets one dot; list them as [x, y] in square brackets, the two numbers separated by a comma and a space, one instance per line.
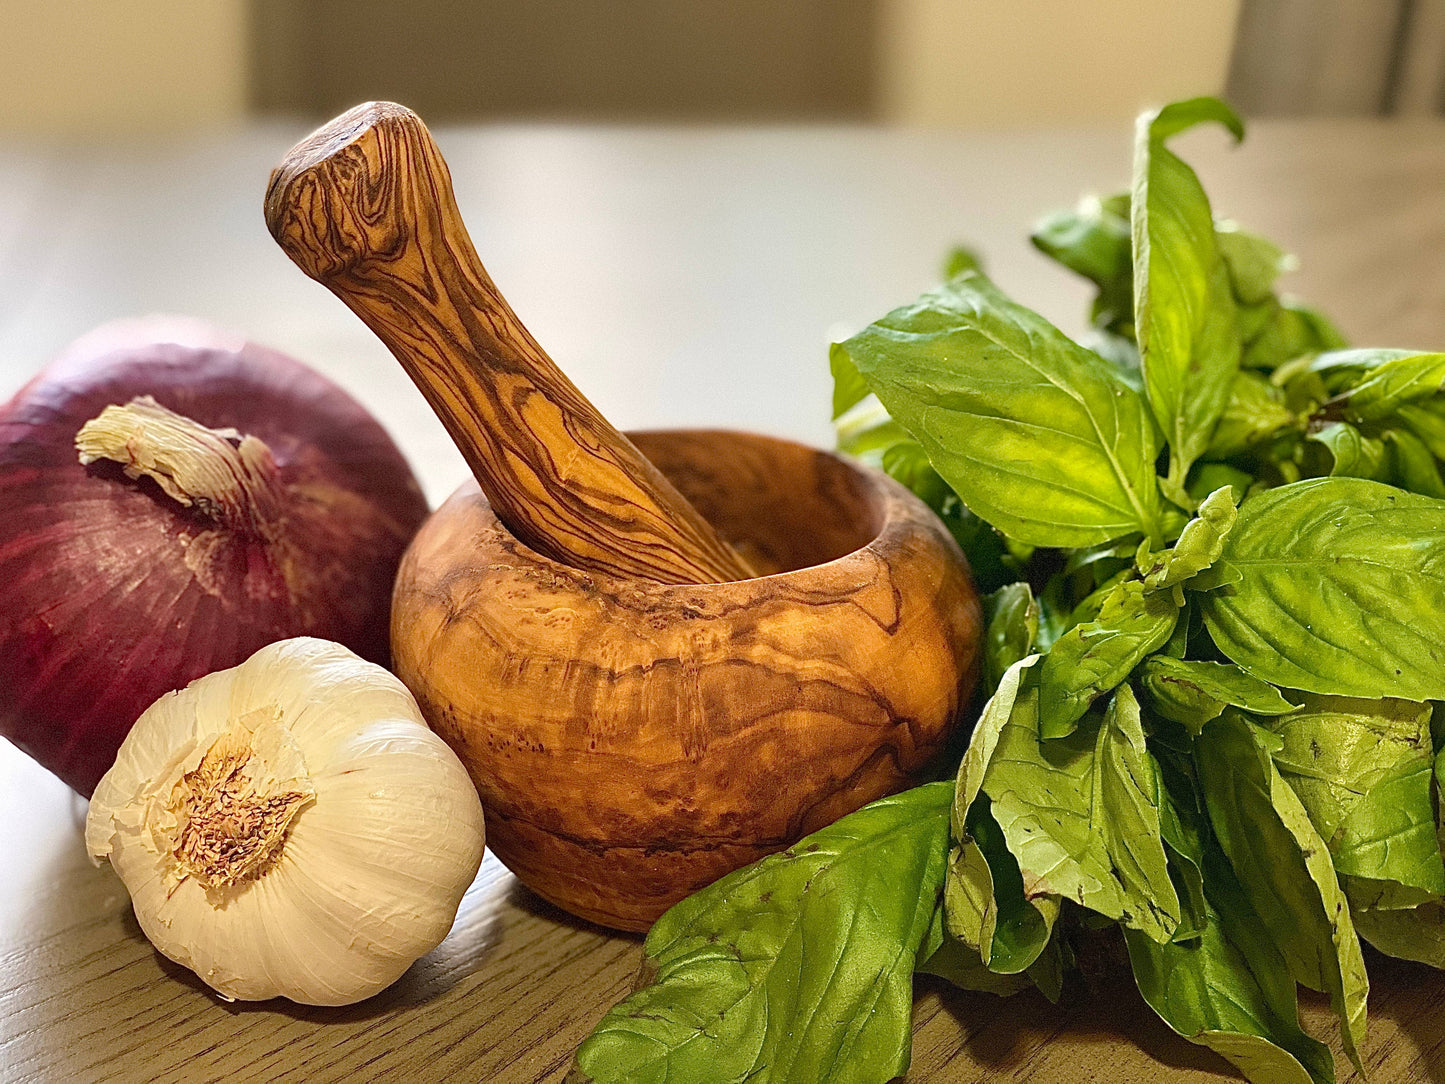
[660, 658]
[634, 741]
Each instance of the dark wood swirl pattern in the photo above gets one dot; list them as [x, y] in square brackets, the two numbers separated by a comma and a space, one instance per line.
[365, 206]
[633, 741]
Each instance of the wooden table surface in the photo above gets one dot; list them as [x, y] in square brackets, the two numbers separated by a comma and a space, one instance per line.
[682, 277]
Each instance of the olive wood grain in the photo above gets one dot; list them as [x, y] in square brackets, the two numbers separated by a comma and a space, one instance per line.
[632, 742]
[364, 205]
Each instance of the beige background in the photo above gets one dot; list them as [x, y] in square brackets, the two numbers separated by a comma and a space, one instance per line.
[987, 62]
[90, 67]
[97, 67]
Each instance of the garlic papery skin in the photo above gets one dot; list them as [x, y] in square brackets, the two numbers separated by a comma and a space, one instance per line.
[290, 827]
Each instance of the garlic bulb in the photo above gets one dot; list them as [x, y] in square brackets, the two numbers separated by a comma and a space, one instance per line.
[290, 827]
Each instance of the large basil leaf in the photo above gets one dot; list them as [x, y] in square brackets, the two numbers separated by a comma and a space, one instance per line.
[866, 431]
[1230, 989]
[1284, 866]
[1093, 657]
[1192, 693]
[1040, 437]
[797, 967]
[1081, 814]
[1184, 308]
[1341, 590]
[1363, 769]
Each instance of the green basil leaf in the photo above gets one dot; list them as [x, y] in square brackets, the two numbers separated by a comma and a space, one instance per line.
[1038, 436]
[1081, 814]
[1389, 835]
[1092, 658]
[1289, 331]
[1384, 388]
[1253, 262]
[1017, 928]
[1093, 241]
[1334, 749]
[1185, 831]
[969, 904]
[1017, 692]
[1427, 421]
[1341, 590]
[907, 462]
[1363, 770]
[986, 910]
[849, 387]
[1256, 412]
[867, 432]
[1184, 309]
[1284, 866]
[1188, 627]
[970, 915]
[1011, 629]
[1198, 546]
[959, 962]
[1047, 972]
[951, 959]
[960, 260]
[1104, 561]
[1416, 469]
[1192, 693]
[1372, 894]
[1317, 328]
[1207, 477]
[797, 967]
[1416, 934]
[1231, 990]
[1350, 362]
[1091, 605]
[1355, 455]
[1255, 319]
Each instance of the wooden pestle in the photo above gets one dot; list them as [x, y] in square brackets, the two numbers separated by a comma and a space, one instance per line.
[364, 205]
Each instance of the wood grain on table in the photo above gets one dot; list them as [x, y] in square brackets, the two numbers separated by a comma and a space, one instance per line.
[680, 277]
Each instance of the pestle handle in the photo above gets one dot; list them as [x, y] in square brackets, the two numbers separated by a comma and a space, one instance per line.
[364, 205]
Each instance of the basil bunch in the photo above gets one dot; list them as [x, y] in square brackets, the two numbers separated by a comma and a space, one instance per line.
[1215, 544]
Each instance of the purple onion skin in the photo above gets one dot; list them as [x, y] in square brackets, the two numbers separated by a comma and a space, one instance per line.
[112, 594]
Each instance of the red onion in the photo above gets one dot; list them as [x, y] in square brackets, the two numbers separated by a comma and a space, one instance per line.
[113, 591]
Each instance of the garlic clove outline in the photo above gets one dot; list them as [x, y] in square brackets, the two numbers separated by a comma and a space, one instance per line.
[290, 826]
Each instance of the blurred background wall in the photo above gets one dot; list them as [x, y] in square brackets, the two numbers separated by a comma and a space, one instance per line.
[130, 66]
